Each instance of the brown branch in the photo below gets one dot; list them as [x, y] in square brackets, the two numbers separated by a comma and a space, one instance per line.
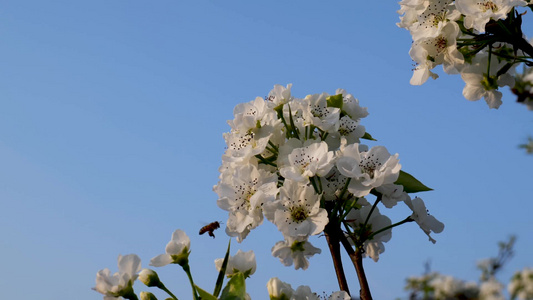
[332, 236]
[357, 260]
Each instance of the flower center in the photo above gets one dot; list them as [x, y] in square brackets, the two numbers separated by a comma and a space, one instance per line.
[487, 5]
[369, 165]
[242, 141]
[318, 111]
[244, 193]
[298, 214]
[440, 44]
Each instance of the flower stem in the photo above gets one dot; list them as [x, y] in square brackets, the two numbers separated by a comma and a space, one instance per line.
[164, 288]
[188, 271]
[372, 209]
[408, 219]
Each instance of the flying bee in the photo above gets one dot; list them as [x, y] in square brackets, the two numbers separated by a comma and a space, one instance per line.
[210, 228]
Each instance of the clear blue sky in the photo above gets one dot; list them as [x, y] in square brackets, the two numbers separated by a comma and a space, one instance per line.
[111, 122]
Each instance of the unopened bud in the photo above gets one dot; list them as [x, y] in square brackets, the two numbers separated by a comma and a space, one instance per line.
[147, 296]
[149, 277]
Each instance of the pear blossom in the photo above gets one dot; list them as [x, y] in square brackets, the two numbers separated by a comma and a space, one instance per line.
[119, 284]
[279, 95]
[357, 217]
[333, 184]
[177, 251]
[391, 194]
[249, 115]
[427, 222]
[431, 22]
[367, 169]
[340, 295]
[409, 12]
[447, 287]
[303, 292]
[491, 289]
[479, 12]
[521, 285]
[350, 106]
[295, 250]
[310, 160]
[297, 213]
[243, 262]
[242, 192]
[432, 51]
[318, 114]
[244, 145]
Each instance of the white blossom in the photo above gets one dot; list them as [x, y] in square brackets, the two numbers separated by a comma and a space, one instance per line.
[295, 250]
[367, 169]
[318, 114]
[119, 284]
[491, 290]
[479, 12]
[521, 284]
[391, 194]
[297, 213]
[242, 192]
[278, 290]
[357, 217]
[441, 49]
[303, 292]
[427, 222]
[176, 251]
[243, 262]
[279, 95]
[249, 115]
[310, 160]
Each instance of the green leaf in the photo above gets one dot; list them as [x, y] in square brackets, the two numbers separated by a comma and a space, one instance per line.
[367, 136]
[205, 295]
[235, 289]
[411, 184]
[335, 101]
[220, 279]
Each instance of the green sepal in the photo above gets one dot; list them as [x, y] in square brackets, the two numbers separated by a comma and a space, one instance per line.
[335, 101]
[368, 136]
[220, 278]
[411, 184]
[235, 289]
[205, 295]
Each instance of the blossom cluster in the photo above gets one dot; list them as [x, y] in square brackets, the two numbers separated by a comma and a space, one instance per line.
[436, 286]
[441, 287]
[278, 290]
[300, 163]
[476, 38]
[237, 267]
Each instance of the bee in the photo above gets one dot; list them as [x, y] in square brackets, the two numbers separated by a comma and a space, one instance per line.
[210, 228]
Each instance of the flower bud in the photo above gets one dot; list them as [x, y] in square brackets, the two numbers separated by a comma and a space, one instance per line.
[279, 290]
[147, 295]
[149, 277]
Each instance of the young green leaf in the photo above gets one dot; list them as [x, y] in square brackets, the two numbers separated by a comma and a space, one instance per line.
[368, 136]
[220, 279]
[205, 295]
[411, 184]
[235, 289]
[335, 101]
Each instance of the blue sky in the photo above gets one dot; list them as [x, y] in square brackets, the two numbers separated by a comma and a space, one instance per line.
[111, 135]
